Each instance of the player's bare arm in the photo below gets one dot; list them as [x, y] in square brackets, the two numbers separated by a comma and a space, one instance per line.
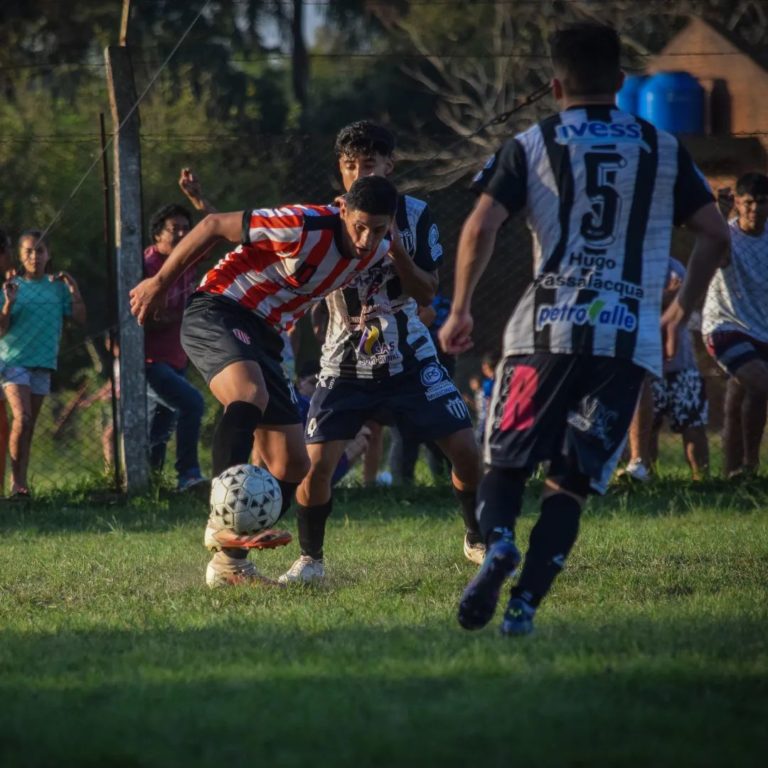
[478, 237]
[190, 185]
[148, 294]
[415, 281]
[711, 250]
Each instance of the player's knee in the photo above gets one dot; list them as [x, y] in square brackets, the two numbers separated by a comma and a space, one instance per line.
[571, 482]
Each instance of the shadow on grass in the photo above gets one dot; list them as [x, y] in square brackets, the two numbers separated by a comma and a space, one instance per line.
[247, 693]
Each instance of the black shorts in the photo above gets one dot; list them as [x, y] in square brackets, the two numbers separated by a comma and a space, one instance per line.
[422, 402]
[217, 332]
[566, 409]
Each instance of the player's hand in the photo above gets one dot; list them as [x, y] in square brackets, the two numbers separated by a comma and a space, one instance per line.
[455, 335]
[145, 297]
[10, 289]
[191, 187]
[67, 279]
[673, 318]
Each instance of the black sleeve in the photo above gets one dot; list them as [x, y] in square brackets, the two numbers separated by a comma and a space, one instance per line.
[428, 252]
[505, 177]
[691, 188]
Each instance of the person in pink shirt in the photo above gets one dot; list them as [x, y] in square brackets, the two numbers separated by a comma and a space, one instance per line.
[173, 403]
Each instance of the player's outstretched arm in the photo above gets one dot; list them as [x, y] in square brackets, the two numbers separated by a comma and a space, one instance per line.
[149, 293]
[710, 251]
[190, 185]
[478, 237]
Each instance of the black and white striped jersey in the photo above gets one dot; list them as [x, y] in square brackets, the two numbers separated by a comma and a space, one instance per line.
[374, 330]
[602, 190]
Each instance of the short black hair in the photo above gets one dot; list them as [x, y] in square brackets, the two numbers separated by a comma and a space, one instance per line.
[159, 217]
[587, 58]
[753, 183]
[364, 138]
[372, 194]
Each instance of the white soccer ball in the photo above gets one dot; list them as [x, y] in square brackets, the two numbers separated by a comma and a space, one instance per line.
[245, 499]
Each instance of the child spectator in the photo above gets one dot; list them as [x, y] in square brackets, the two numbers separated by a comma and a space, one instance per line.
[31, 320]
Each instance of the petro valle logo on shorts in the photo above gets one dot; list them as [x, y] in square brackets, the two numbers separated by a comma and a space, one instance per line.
[241, 335]
[431, 374]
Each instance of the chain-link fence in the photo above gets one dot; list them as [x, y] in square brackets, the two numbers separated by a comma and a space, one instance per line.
[72, 443]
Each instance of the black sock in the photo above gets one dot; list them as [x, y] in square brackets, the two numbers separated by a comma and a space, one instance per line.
[233, 438]
[468, 502]
[500, 500]
[311, 522]
[552, 539]
[287, 490]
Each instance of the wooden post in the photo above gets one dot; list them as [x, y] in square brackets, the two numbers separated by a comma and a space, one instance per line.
[128, 251]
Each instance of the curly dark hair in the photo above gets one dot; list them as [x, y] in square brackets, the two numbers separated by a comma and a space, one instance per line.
[364, 138]
[372, 194]
[159, 217]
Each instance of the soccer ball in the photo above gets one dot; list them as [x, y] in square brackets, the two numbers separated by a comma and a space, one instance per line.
[245, 499]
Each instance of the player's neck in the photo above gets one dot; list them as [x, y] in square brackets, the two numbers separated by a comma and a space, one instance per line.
[596, 99]
[751, 231]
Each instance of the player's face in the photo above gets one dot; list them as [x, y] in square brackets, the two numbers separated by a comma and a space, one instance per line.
[363, 231]
[174, 228]
[33, 256]
[354, 167]
[752, 211]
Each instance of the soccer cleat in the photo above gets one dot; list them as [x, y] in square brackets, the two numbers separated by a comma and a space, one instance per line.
[474, 551]
[218, 539]
[192, 481]
[305, 570]
[225, 571]
[478, 603]
[518, 618]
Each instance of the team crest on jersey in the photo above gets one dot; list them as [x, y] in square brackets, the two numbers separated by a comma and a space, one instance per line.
[435, 249]
[241, 335]
[457, 408]
[594, 419]
[431, 374]
[408, 240]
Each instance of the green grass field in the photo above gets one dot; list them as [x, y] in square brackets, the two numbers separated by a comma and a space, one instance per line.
[651, 650]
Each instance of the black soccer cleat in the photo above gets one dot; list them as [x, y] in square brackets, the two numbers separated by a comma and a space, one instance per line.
[478, 603]
[518, 618]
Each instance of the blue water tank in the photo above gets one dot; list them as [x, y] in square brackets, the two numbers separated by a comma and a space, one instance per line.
[627, 97]
[673, 101]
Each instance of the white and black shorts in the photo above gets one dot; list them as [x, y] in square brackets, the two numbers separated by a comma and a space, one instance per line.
[423, 402]
[682, 397]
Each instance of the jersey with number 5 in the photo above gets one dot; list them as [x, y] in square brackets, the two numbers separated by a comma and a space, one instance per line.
[602, 190]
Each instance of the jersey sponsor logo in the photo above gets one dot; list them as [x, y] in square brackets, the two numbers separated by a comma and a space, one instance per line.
[457, 408]
[326, 382]
[594, 419]
[440, 389]
[594, 281]
[431, 374]
[599, 132]
[241, 336]
[433, 238]
[594, 314]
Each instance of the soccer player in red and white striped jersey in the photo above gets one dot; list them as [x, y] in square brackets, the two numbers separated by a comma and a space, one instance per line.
[288, 259]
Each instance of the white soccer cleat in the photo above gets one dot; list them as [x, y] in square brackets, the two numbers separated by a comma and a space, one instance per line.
[474, 551]
[225, 571]
[637, 471]
[217, 539]
[305, 570]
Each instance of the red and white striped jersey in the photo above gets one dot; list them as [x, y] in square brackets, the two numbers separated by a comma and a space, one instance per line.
[290, 259]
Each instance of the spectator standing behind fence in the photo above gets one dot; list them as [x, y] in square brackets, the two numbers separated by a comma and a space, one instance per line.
[680, 395]
[735, 323]
[35, 305]
[6, 273]
[173, 402]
